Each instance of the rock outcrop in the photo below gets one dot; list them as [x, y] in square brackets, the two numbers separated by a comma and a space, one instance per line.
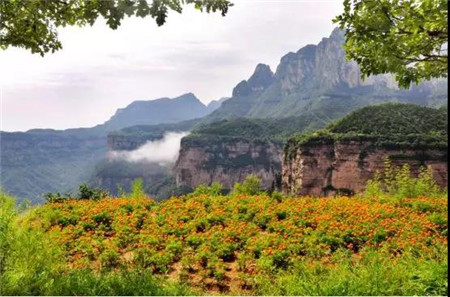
[342, 157]
[227, 161]
[315, 78]
[345, 167]
[258, 82]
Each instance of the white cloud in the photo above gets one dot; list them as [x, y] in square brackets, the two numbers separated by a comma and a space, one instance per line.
[164, 151]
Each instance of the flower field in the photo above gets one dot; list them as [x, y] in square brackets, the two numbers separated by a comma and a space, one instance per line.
[242, 244]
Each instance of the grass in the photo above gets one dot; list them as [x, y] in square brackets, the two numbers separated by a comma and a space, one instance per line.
[236, 245]
[373, 275]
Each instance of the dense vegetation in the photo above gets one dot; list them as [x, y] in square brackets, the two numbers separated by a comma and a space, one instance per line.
[388, 125]
[251, 129]
[40, 161]
[393, 118]
[381, 243]
[155, 131]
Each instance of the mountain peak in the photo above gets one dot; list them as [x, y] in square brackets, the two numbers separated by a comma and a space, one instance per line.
[188, 97]
[261, 78]
[159, 111]
[337, 33]
[262, 69]
[307, 51]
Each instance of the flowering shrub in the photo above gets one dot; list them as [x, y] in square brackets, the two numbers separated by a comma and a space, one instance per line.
[206, 240]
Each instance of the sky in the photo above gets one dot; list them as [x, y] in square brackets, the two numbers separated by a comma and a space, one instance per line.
[100, 70]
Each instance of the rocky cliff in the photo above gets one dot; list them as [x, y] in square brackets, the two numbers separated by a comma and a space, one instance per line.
[230, 160]
[319, 80]
[229, 150]
[346, 166]
[346, 154]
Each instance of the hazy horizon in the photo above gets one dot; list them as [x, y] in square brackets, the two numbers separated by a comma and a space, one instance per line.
[100, 70]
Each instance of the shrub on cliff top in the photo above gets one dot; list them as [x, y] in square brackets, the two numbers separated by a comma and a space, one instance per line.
[386, 125]
[393, 118]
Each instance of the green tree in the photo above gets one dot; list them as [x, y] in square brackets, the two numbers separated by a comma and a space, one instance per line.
[214, 190]
[32, 24]
[250, 186]
[86, 192]
[137, 189]
[405, 37]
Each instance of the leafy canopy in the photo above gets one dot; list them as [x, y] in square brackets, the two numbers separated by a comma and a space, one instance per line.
[386, 125]
[405, 37]
[32, 24]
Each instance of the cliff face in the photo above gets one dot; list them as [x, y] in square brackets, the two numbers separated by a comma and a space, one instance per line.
[227, 161]
[325, 169]
[319, 79]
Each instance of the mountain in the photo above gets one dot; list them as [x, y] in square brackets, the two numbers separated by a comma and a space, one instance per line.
[215, 104]
[310, 88]
[159, 111]
[342, 157]
[44, 160]
[316, 84]
[318, 80]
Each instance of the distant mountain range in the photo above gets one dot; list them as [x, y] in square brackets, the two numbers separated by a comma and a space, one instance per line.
[160, 111]
[318, 80]
[316, 83]
[144, 112]
[44, 160]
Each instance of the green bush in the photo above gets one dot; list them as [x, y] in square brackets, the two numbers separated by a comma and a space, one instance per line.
[8, 213]
[137, 189]
[194, 241]
[214, 190]
[55, 197]
[102, 218]
[28, 260]
[250, 186]
[397, 182]
[372, 276]
[109, 259]
[278, 196]
[85, 192]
